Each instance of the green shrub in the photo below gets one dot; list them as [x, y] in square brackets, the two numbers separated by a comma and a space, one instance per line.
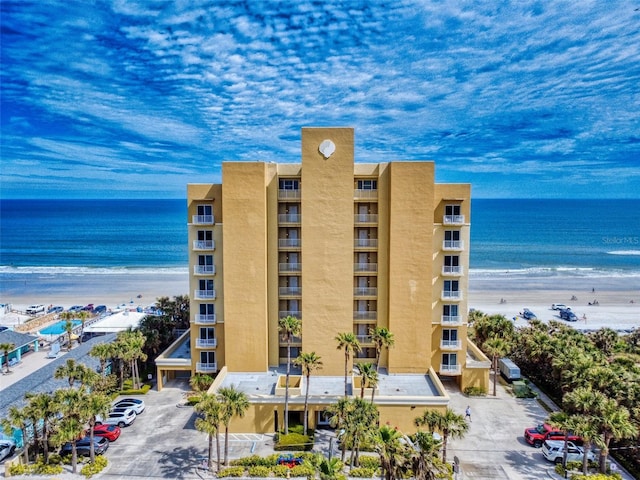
[55, 459]
[94, 468]
[362, 472]
[46, 469]
[598, 476]
[254, 461]
[19, 469]
[128, 389]
[303, 471]
[368, 461]
[271, 460]
[281, 471]
[231, 472]
[259, 471]
[293, 442]
[475, 392]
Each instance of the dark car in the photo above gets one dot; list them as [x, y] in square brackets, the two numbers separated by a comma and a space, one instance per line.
[87, 308]
[528, 314]
[99, 309]
[568, 315]
[75, 308]
[56, 309]
[83, 446]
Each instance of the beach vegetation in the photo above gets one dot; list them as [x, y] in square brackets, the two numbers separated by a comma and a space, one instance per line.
[289, 327]
[449, 424]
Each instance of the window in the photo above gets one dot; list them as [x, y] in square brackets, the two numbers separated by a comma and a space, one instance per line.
[367, 184]
[205, 210]
[206, 284]
[295, 352]
[208, 357]
[449, 359]
[450, 310]
[452, 235]
[205, 260]
[207, 333]
[207, 309]
[205, 235]
[452, 210]
[451, 261]
[289, 184]
[451, 285]
[450, 335]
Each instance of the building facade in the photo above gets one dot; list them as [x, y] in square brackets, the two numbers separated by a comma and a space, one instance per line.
[344, 247]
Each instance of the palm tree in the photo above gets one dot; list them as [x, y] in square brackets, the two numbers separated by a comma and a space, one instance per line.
[211, 410]
[586, 427]
[68, 326]
[72, 405]
[71, 370]
[497, 348]
[18, 417]
[391, 450]
[425, 463]
[381, 337]
[349, 342]
[338, 419]
[45, 405]
[289, 327]
[82, 316]
[234, 403]
[309, 362]
[6, 348]
[103, 352]
[200, 382]
[362, 417]
[566, 423]
[449, 424]
[368, 377]
[95, 404]
[615, 423]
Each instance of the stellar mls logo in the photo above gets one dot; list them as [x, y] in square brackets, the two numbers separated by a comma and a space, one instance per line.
[621, 240]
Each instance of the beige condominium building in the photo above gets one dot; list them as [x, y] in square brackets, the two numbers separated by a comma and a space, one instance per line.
[344, 247]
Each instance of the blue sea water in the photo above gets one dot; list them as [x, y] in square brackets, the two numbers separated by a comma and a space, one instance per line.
[582, 237]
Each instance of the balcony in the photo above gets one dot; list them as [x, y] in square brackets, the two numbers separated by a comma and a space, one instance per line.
[205, 294]
[365, 292]
[366, 218]
[289, 218]
[451, 320]
[450, 370]
[360, 194]
[290, 291]
[290, 313]
[289, 194]
[202, 220]
[204, 269]
[205, 318]
[453, 245]
[289, 243]
[450, 344]
[453, 270]
[453, 219]
[290, 267]
[204, 245]
[451, 295]
[365, 267]
[365, 315]
[366, 243]
[206, 342]
[364, 339]
[206, 367]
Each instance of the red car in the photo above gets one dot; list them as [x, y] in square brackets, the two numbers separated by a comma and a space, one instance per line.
[111, 432]
[537, 435]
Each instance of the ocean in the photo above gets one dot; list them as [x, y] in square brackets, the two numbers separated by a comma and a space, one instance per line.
[543, 237]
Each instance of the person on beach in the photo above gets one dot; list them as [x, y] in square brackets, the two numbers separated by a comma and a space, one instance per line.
[467, 413]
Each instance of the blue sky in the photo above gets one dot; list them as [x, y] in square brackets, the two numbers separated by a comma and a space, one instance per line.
[127, 98]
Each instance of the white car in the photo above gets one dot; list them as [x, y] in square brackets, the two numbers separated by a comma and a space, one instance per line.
[121, 418]
[134, 404]
[7, 447]
[35, 309]
[553, 450]
[558, 306]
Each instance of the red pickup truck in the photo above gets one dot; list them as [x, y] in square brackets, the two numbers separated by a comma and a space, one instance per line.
[537, 435]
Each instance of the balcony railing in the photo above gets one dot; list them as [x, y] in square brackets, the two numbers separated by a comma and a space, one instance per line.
[289, 218]
[365, 267]
[206, 342]
[288, 194]
[452, 245]
[290, 313]
[290, 267]
[450, 370]
[365, 291]
[204, 245]
[451, 295]
[364, 338]
[452, 270]
[450, 344]
[290, 291]
[365, 315]
[453, 220]
[451, 319]
[208, 318]
[205, 294]
[203, 220]
[360, 194]
[294, 340]
[366, 218]
[204, 269]
[365, 243]
[289, 242]
[206, 367]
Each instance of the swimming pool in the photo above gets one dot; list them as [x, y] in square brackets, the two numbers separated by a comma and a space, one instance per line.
[58, 328]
